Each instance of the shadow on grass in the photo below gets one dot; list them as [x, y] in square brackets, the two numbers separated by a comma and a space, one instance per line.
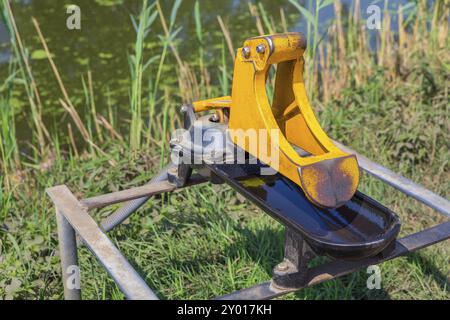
[264, 246]
[429, 268]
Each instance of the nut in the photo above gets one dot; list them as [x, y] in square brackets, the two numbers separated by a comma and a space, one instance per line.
[283, 266]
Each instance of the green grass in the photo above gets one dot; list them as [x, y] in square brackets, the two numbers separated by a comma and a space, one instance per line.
[137, 68]
[206, 241]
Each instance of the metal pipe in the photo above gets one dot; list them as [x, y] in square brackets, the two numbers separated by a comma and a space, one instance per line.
[69, 258]
[148, 190]
[121, 214]
[401, 183]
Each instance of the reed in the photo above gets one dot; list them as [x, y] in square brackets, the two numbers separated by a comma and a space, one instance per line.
[223, 71]
[27, 79]
[311, 16]
[137, 68]
[91, 117]
[227, 35]
[204, 76]
[255, 14]
[283, 20]
[351, 58]
[93, 107]
[9, 151]
[268, 22]
[154, 83]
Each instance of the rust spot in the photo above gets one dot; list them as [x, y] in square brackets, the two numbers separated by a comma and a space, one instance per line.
[330, 183]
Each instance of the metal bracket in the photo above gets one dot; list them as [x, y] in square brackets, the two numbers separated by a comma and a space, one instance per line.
[179, 175]
[292, 271]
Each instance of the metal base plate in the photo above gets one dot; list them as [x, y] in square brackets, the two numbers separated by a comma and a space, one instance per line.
[359, 229]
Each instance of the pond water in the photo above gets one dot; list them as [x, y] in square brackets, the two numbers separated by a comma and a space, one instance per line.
[107, 36]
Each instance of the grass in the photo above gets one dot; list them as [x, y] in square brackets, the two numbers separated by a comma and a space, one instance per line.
[390, 103]
[9, 152]
[26, 76]
[137, 68]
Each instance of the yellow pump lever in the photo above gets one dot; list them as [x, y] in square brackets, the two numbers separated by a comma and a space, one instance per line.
[307, 156]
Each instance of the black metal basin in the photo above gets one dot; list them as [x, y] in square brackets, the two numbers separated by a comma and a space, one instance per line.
[359, 229]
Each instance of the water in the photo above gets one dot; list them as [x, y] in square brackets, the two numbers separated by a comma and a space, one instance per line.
[107, 36]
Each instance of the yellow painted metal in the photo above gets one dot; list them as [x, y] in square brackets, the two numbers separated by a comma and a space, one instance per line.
[307, 156]
[215, 103]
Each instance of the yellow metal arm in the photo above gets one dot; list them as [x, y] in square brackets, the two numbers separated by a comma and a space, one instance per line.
[307, 156]
[210, 104]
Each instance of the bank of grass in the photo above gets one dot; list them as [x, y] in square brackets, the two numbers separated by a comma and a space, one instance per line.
[391, 105]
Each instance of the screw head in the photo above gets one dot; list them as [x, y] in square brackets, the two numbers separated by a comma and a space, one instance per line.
[261, 48]
[246, 52]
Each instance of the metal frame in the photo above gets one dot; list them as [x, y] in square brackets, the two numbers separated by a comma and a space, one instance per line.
[291, 275]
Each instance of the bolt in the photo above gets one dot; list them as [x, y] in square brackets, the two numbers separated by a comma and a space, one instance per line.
[261, 48]
[283, 266]
[184, 109]
[214, 118]
[246, 52]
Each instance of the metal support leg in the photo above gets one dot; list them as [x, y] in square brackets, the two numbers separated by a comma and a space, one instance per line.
[69, 258]
[291, 273]
[179, 175]
[123, 273]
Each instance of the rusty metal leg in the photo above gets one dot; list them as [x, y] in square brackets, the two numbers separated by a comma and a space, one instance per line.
[292, 271]
[69, 258]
